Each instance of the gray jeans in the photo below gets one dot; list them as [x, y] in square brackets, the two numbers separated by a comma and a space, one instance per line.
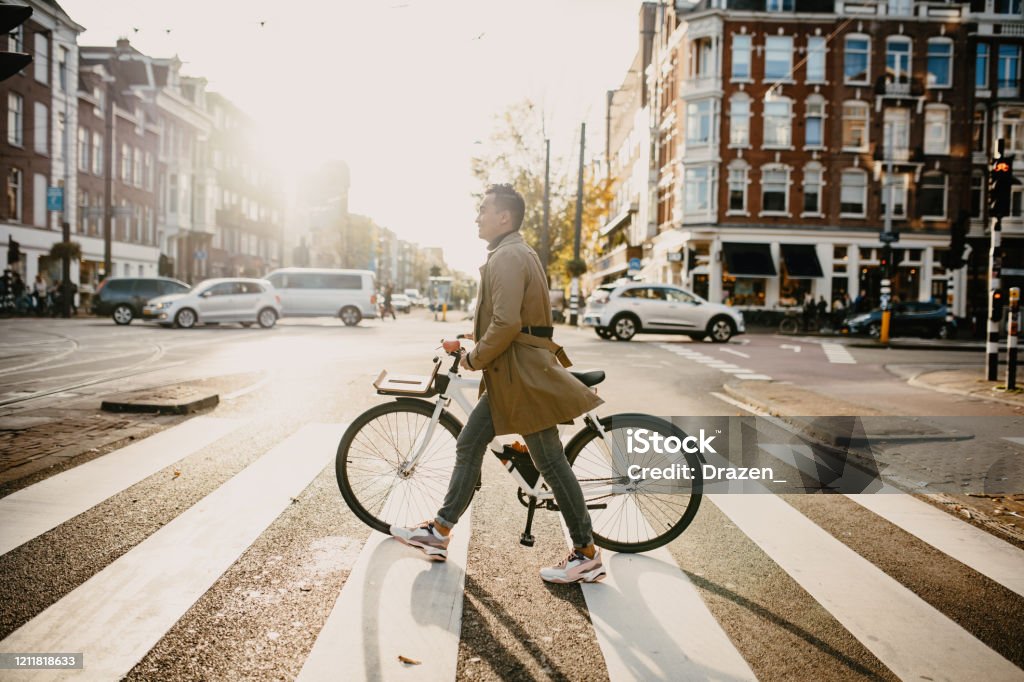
[548, 456]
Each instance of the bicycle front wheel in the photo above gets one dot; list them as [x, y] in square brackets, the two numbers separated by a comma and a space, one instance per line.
[789, 326]
[631, 510]
[373, 459]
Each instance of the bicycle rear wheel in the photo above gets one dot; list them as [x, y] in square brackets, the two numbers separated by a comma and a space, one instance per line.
[371, 458]
[643, 513]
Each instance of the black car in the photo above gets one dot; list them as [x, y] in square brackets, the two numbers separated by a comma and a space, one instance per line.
[124, 297]
[908, 319]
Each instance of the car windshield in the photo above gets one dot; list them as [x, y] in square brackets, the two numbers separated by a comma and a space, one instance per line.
[601, 295]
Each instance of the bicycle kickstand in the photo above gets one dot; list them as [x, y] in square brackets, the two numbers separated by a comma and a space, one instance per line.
[527, 537]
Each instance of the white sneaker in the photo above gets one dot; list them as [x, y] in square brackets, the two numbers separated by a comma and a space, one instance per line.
[576, 568]
[423, 538]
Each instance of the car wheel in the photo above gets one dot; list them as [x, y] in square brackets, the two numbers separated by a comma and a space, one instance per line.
[123, 314]
[721, 329]
[350, 316]
[246, 324]
[874, 330]
[186, 318]
[267, 318]
[625, 327]
[603, 332]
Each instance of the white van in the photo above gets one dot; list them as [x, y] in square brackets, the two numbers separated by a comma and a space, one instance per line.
[318, 292]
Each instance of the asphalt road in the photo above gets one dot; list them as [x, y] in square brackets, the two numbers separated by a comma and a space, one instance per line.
[227, 562]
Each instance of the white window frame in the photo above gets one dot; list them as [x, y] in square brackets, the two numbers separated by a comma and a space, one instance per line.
[83, 149]
[851, 172]
[692, 186]
[15, 119]
[737, 38]
[741, 99]
[814, 103]
[900, 8]
[738, 175]
[939, 42]
[768, 119]
[896, 124]
[977, 186]
[126, 164]
[866, 109]
[97, 153]
[899, 76]
[787, 51]
[1008, 87]
[1012, 8]
[41, 129]
[147, 171]
[16, 39]
[814, 176]
[40, 218]
[867, 58]
[779, 6]
[137, 167]
[982, 55]
[787, 173]
[817, 49]
[937, 120]
[901, 185]
[982, 135]
[41, 58]
[945, 195]
[696, 120]
[16, 182]
[1011, 128]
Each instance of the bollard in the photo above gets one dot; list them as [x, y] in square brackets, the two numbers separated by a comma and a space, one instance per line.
[883, 336]
[444, 311]
[1011, 339]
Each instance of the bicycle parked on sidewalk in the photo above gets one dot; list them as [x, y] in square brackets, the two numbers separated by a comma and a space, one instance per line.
[395, 460]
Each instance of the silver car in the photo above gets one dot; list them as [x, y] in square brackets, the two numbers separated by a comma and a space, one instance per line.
[625, 310]
[234, 299]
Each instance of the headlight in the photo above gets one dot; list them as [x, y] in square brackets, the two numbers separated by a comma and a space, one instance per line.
[164, 305]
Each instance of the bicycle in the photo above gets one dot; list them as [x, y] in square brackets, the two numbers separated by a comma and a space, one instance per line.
[393, 464]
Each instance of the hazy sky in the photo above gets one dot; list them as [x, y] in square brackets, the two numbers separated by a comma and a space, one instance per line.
[402, 90]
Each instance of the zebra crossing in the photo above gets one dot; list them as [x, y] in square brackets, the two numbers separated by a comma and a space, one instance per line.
[837, 353]
[650, 619]
[714, 363]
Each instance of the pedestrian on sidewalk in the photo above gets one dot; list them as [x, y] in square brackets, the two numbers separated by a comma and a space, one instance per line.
[388, 307]
[39, 293]
[526, 389]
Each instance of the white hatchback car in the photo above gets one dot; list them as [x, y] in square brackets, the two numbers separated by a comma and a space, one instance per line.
[235, 299]
[625, 310]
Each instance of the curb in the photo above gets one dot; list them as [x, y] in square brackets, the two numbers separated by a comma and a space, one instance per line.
[156, 405]
[918, 383]
[914, 346]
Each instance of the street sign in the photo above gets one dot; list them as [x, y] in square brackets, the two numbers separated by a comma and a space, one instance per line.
[54, 198]
[888, 237]
[634, 264]
[200, 254]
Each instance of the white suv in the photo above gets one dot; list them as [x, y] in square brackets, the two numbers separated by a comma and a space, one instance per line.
[624, 310]
[218, 300]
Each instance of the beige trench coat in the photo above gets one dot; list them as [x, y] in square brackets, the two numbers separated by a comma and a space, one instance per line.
[528, 387]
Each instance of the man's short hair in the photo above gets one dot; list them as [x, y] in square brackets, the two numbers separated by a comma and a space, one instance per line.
[508, 199]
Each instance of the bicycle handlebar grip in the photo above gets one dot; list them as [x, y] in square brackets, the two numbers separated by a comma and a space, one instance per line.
[452, 346]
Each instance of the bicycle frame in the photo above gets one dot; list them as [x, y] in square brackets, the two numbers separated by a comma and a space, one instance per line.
[457, 384]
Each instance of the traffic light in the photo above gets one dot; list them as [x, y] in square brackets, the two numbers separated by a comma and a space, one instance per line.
[11, 17]
[1000, 181]
[13, 251]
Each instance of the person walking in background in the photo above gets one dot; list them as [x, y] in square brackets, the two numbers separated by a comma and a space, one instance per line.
[388, 307]
[39, 293]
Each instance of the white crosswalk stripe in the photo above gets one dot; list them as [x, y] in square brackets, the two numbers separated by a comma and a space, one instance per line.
[650, 620]
[837, 354]
[716, 362]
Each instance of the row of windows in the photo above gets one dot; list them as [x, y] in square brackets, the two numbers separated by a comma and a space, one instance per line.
[131, 222]
[779, 53]
[1007, 67]
[16, 124]
[778, 114]
[776, 182]
[136, 167]
[901, 7]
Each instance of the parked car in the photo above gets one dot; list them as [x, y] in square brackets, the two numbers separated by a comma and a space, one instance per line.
[401, 303]
[123, 298]
[234, 299]
[625, 310]
[908, 319]
[414, 297]
[312, 292]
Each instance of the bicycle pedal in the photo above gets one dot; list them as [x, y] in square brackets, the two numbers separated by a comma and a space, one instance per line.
[597, 506]
[526, 540]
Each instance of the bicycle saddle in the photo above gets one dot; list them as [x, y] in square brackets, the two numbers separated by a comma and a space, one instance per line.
[590, 378]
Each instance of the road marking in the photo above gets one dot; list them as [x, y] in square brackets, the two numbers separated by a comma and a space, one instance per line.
[734, 352]
[652, 624]
[985, 553]
[395, 601]
[1019, 440]
[248, 389]
[908, 635]
[795, 349]
[837, 353]
[753, 377]
[120, 613]
[32, 511]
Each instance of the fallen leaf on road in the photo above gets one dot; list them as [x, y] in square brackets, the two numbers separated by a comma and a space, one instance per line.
[406, 659]
[176, 474]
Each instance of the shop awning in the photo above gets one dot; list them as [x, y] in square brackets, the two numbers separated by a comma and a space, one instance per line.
[801, 261]
[749, 260]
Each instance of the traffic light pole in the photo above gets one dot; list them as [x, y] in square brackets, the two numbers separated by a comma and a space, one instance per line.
[995, 263]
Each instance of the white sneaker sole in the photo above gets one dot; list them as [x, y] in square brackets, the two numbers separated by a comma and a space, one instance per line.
[433, 553]
[594, 576]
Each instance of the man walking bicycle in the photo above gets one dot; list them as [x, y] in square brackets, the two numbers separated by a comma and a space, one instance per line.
[525, 390]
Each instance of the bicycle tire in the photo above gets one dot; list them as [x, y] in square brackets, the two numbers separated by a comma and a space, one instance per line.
[610, 532]
[789, 326]
[374, 490]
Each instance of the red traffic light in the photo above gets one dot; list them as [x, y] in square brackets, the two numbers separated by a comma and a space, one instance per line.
[1001, 167]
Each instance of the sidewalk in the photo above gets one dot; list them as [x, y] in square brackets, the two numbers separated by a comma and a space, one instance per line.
[1002, 515]
[971, 382]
